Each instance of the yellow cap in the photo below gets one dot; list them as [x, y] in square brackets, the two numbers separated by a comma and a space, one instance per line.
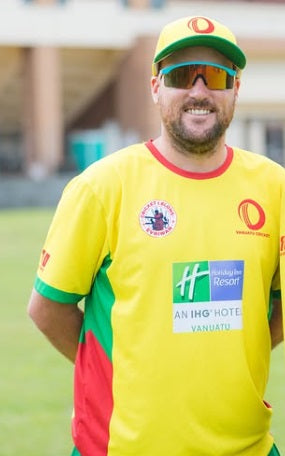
[197, 31]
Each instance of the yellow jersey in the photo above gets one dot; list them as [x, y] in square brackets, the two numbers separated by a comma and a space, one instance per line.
[176, 269]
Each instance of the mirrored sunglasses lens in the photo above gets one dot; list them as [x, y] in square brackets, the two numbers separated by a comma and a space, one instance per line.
[185, 76]
[218, 79]
[178, 77]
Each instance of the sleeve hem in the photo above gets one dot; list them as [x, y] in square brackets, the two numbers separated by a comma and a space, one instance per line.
[56, 295]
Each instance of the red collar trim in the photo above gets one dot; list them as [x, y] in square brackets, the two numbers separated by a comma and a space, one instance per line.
[217, 172]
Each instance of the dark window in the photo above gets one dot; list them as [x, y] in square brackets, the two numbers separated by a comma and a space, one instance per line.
[274, 138]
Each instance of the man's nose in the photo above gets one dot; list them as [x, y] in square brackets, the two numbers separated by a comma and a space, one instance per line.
[200, 82]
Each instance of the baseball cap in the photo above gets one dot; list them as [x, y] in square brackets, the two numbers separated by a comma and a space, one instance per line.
[197, 31]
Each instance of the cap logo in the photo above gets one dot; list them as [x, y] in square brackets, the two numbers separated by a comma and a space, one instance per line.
[201, 25]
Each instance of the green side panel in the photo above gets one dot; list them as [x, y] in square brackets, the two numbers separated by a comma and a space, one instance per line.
[98, 308]
[274, 294]
[56, 295]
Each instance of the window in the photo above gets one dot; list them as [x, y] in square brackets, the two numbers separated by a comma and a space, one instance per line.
[274, 141]
[260, 135]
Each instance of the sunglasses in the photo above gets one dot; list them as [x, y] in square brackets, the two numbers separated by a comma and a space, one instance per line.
[184, 75]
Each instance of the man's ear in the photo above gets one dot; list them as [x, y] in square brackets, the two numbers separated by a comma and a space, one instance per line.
[155, 85]
[236, 88]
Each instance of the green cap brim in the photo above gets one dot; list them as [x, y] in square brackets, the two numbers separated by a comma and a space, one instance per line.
[225, 47]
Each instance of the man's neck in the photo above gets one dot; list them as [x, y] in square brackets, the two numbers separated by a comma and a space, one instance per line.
[193, 162]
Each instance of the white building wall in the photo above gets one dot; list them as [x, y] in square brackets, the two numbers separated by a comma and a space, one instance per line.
[108, 23]
[263, 82]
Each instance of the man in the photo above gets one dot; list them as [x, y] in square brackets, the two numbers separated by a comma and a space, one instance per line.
[174, 343]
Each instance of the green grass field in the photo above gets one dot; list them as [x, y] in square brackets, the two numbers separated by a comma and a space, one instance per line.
[36, 381]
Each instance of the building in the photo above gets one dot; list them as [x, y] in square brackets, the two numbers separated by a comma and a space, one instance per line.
[69, 66]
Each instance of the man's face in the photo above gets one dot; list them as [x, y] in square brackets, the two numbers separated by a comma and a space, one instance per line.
[196, 118]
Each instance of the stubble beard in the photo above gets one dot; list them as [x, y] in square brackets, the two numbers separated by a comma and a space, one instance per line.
[187, 141]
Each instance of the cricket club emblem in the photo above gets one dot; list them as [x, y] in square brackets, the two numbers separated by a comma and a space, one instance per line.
[157, 218]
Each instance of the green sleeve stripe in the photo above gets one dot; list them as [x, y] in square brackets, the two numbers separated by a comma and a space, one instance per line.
[56, 295]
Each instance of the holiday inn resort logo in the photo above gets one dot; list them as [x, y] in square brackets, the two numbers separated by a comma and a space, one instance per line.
[207, 296]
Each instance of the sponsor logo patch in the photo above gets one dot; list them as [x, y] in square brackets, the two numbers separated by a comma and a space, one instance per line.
[207, 296]
[157, 218]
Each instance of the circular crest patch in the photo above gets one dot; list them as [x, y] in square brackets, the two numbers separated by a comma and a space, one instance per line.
[157, 218]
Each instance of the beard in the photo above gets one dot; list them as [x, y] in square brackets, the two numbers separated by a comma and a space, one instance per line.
[187, 139]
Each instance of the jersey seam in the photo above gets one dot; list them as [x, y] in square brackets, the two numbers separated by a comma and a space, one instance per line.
[96, 196]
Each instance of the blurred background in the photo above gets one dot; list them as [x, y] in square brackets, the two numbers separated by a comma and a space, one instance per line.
[74, 87]
[74, 83]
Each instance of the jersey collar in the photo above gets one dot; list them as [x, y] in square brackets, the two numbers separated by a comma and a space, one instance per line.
[192, 175]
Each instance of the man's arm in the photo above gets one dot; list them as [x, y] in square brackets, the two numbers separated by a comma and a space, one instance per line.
[276, 323]
[60, 323]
